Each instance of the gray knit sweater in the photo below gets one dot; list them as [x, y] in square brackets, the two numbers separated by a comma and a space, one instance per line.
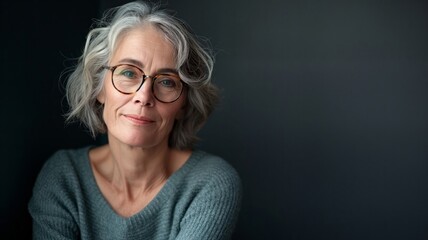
[201, 200]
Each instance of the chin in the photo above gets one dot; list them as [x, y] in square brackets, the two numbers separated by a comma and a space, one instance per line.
[136, 138]
[140, 142]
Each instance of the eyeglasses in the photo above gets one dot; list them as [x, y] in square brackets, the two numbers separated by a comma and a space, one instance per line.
[128, 79]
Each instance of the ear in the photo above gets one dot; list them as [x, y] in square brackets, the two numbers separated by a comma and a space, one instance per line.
[101, 97]
[183, 110]
[181, 113]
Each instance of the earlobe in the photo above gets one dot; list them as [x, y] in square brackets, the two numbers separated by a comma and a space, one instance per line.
[101, 97]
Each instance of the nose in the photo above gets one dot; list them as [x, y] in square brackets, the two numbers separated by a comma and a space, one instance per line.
[144, 95]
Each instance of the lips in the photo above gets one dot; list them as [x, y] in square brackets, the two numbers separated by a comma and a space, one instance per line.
[139, 120]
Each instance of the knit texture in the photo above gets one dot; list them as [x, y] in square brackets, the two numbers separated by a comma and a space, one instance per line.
[201, 200]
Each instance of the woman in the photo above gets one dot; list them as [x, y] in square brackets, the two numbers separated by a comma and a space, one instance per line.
[144, 80]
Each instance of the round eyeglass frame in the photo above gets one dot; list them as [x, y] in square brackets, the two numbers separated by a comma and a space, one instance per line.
[113, 68]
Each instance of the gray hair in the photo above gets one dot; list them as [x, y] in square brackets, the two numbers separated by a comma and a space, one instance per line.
[194, 65]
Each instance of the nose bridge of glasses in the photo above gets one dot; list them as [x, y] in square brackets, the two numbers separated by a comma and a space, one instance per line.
[144, 78]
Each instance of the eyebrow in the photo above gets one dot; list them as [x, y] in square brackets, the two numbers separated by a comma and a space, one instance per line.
[140, 65]
[167, 70]
[132, 61]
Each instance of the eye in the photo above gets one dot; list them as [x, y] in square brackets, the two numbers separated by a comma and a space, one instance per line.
[129, 73]
[167, 81]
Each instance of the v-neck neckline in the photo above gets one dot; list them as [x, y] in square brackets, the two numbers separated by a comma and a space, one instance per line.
[153, 206]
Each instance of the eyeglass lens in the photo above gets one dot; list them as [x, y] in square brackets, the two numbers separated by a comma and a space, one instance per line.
[128, 79]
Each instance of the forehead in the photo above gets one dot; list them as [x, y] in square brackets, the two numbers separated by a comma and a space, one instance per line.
[145, 44]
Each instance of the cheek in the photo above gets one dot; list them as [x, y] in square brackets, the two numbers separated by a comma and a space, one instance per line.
[177, 111]
[111, 105]
[169, 116]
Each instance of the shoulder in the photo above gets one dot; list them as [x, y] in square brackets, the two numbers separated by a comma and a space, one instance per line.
[64, 159]
[62, 168]
[207, 163]
[61, 176]
[213, 171]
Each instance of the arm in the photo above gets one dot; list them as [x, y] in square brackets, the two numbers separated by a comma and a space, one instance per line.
[214, 211]
[51, 207]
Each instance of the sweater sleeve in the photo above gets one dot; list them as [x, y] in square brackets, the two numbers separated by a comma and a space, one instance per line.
[51, 206]
[214, 211]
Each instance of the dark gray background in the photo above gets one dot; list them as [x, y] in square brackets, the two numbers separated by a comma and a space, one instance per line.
[324, 110]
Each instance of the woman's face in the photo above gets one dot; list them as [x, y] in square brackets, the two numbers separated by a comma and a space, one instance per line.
[138, 119]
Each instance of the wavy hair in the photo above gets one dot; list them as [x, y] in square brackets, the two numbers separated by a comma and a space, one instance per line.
[194, 64]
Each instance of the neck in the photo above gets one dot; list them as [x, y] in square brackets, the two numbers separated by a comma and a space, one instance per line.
[133, 170]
